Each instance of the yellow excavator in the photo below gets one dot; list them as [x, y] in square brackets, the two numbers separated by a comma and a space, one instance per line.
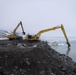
[36, 37]
[14, 35]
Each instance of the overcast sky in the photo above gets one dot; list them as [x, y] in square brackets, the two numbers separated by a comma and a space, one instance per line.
[39, 14]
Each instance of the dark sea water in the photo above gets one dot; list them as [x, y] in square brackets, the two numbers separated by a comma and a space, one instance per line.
[62, 47]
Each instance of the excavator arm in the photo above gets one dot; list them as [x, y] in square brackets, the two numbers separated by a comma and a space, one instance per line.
[36, 37]
[14, 31]
[13, 36]
[63, 30]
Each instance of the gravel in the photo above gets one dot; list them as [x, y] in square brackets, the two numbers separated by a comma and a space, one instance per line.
[33, 58]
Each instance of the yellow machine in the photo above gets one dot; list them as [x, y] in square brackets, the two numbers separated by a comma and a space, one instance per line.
[14, 35]
[36, 37]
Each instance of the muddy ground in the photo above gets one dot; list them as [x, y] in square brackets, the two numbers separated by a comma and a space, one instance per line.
[33, 58]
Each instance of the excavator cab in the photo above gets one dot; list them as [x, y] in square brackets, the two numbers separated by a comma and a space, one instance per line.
[36, 37]
[29, 36]
[14, 35]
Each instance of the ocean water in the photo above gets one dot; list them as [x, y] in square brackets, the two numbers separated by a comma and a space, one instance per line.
[59, 44]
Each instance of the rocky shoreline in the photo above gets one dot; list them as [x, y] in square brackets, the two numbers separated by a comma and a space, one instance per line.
[33, 58]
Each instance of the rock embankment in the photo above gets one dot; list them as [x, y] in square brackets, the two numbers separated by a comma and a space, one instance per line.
[33, 59]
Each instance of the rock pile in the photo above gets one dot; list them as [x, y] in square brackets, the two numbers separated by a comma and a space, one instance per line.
[38, 60]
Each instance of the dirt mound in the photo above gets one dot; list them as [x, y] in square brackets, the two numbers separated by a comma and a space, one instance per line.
[34, 60]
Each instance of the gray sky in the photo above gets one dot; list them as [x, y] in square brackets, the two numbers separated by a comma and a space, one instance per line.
[39, 14]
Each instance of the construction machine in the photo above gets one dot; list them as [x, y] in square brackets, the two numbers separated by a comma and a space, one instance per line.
[14, 35]
[36, 37]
